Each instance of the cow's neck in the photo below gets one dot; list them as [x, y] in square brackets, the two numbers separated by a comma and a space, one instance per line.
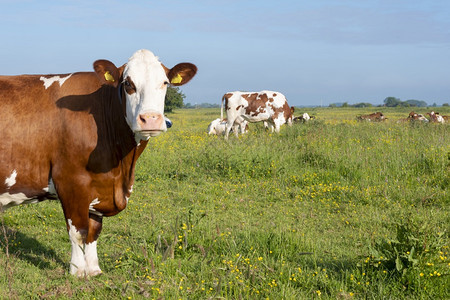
[123, 144]
[128, 164]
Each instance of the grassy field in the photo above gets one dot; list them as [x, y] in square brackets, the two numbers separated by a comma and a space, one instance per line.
[331, 209]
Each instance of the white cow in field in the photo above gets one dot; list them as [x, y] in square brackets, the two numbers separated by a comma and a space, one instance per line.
[219, 126]
[268, 106]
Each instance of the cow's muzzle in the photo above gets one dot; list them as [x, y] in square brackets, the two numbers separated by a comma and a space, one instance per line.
[151, 123]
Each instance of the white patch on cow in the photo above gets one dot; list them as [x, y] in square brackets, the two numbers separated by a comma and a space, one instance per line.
[49, 81]
[92, 209]
[131, 189]
[279, 99]
[77, 261]
[11, 180]
[91, 258]
[8, 200]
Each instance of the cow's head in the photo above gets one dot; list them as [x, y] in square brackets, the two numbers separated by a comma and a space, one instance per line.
[142, 84]
[289, 115]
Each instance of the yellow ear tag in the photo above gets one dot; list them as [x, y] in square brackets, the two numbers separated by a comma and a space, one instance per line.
[177, 79]
[109, 77]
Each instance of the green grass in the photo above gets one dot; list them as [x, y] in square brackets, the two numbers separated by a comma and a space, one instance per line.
[332, 209]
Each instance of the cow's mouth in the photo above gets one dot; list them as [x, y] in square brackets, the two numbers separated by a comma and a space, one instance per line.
[150, 133]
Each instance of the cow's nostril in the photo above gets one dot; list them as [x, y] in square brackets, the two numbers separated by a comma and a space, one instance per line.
[142, 118]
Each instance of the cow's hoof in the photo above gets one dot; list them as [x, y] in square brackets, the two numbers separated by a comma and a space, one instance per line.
[95, 273]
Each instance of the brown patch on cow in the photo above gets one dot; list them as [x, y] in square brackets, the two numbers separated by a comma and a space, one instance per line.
[274, 94]
[239, 107]
[250, 97]
[225, 98]
[257, 103]
[129, 86]
[271, 100]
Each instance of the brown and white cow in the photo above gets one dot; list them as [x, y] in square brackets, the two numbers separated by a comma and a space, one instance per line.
[76, 137]
[374, 117]
[268, 106]
[417, 117]
[436, 117]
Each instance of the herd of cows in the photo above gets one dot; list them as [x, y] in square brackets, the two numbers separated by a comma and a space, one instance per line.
[250, 107]
[243, 108]
[435, 117]
[76, 137]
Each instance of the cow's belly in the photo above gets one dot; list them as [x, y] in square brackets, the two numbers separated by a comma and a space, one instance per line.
[8, 200]
[258, 118]
[12, 197]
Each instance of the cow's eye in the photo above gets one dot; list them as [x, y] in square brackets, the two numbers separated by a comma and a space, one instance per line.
[129, 87]
[166, 82]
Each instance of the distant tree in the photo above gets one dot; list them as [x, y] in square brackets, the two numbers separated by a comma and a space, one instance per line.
[445, 104]
[416, 103]
[202, 105]
[174, 99]
[345, 104]
[333, 105]
[392, 102]
[434, 104]
[362, 104]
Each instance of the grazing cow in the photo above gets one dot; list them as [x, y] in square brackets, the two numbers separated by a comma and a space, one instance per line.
[256, 107]
[218, 127]
[76, 137]
[303, 118]
[375, 117]
[436, 117]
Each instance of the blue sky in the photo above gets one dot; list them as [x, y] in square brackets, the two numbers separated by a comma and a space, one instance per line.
[315, 52]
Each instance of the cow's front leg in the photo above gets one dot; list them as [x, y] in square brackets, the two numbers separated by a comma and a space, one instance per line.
[83, 237]
[90, 252]
[77, 238]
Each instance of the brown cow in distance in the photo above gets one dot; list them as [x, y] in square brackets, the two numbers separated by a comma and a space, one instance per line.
[374, 117]
[76, 137]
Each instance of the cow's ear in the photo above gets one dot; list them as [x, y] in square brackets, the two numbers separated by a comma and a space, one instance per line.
[292, 109]
[107, 72]
[181, 73]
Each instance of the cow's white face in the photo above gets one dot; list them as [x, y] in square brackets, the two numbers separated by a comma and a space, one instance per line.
[145, 84]
[142, 84]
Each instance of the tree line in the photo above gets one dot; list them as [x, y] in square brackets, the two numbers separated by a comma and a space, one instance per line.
[174, 99]
[389, 102]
